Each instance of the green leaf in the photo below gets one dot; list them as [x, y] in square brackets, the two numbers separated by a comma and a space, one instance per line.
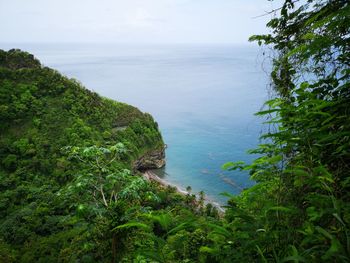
[180, 227]
[133, 224]
[261, 254]
[226, 194]
[220, 230]
[208, 250]
[281, 209]
[233, 165]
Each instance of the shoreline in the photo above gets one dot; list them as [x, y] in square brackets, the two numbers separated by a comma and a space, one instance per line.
[149, 175]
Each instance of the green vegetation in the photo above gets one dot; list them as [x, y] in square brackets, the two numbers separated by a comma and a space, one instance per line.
[301, 204]
[69, 188]
[70, 193]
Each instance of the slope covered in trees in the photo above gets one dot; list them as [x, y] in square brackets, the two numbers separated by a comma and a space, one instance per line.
[47, 123]
[69, 180]
[69, 192]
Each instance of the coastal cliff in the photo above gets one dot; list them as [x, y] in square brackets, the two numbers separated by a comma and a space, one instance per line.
[58, 142]
[71, 188]
[153, 159]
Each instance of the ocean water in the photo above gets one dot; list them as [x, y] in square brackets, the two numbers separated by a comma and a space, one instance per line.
[202, 96]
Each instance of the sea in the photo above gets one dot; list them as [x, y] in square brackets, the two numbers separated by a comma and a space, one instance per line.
[203, 97]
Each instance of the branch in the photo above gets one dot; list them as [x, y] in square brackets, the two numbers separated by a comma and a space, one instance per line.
[111, 197]
[116, 155]
[272, 11]
[103, 196]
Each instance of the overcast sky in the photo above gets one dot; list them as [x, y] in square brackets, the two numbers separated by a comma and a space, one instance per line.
[132, 21]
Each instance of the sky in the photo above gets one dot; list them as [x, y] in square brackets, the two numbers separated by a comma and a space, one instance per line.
[132, 21]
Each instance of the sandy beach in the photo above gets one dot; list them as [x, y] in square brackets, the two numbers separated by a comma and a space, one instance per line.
[149, 175]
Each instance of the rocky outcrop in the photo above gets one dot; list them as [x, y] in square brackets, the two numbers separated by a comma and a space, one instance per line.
[151, 160]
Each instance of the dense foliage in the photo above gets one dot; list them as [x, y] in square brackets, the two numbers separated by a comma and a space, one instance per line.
[69, 192]
[66, 172]
[301, 203]
[69, 188]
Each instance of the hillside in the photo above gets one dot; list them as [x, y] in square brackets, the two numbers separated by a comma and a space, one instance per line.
[71, 188]
[44, 115]
[70, 184]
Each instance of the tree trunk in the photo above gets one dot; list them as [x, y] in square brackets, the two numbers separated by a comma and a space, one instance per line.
[114, 247]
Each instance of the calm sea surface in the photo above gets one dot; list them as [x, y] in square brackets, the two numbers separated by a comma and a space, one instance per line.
[203, 98]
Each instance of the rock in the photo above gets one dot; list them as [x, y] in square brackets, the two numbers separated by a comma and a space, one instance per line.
[151, 160]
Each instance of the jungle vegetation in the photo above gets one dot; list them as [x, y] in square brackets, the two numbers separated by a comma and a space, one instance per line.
[69, 192]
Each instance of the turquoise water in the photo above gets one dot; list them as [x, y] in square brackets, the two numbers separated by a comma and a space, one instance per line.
[203, 98]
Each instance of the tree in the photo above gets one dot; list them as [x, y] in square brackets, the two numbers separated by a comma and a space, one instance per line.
[103, 185]
[303, 171]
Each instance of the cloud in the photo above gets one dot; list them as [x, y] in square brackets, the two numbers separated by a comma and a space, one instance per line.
[140, 18]
[172, 21]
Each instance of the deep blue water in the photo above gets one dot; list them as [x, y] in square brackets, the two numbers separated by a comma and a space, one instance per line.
[203, 98]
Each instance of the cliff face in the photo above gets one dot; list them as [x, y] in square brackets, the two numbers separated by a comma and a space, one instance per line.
[154, 159]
